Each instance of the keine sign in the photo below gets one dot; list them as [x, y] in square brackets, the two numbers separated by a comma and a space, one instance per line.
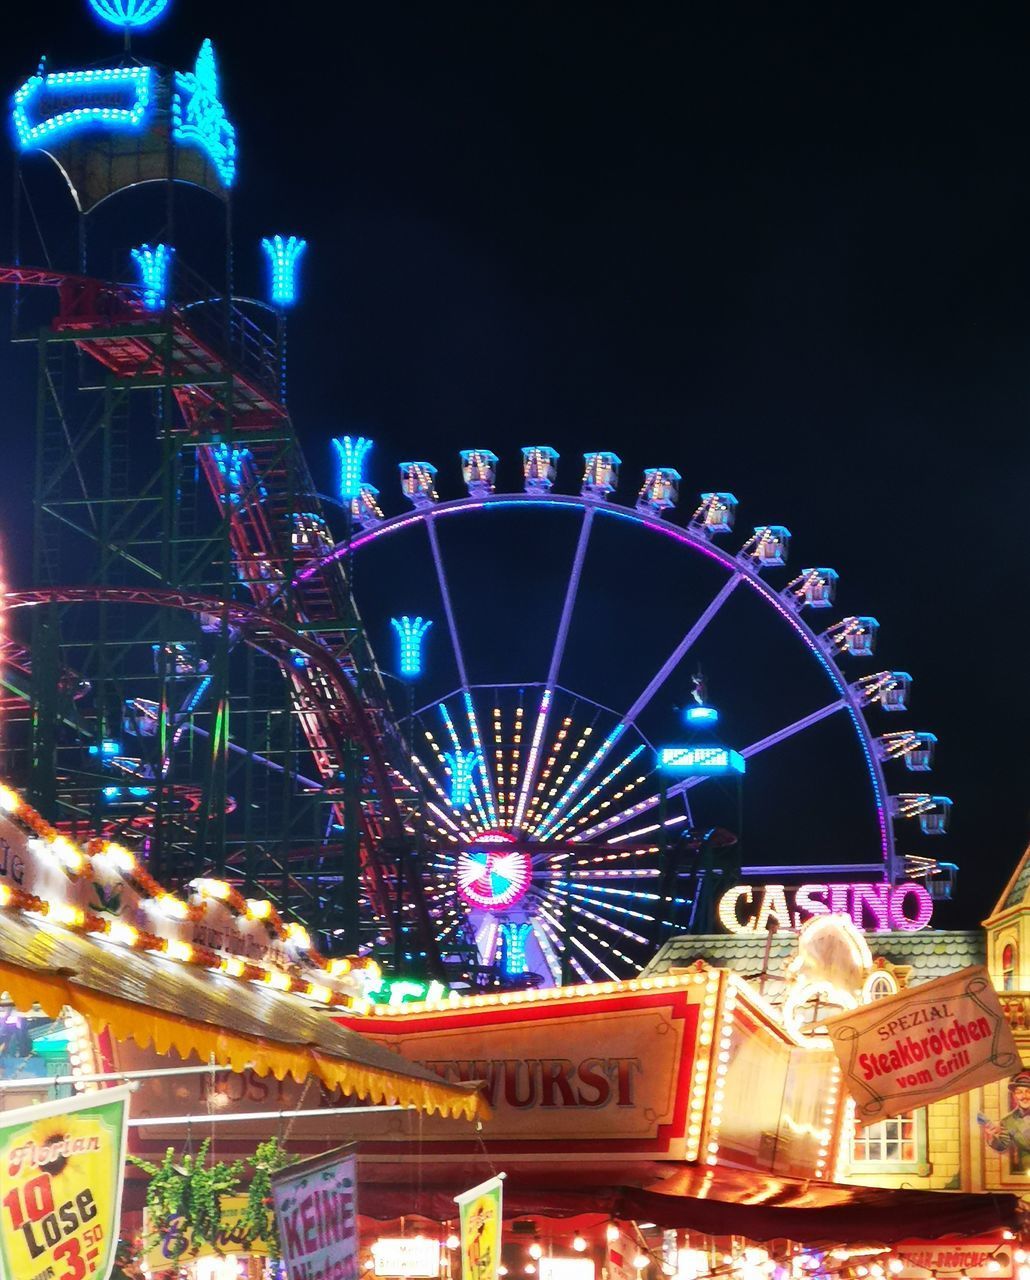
[316, 1212]
[929, 1042]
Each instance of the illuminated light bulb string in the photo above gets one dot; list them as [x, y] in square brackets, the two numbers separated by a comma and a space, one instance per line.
[77, 863]
[701, 1259]
[794, 1262]
[591, 909]
[134, 83]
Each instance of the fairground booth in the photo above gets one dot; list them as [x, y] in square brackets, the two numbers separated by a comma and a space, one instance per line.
[679, 1122]
[197, 704]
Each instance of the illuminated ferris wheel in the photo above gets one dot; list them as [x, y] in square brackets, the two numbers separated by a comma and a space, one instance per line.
[564, 814]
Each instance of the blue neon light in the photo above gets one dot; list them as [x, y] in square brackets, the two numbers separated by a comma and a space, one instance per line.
[108, 747]
[352, 452]
[700, 760]
[230, 462]
[198, 117]
[463, 766]
[513, 947]
[65, 102]
[154, 265]
[283, 256]
[410, 633]
[702, 715]
[129, 13]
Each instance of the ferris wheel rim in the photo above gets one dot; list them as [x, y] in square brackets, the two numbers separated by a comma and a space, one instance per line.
[736, 567]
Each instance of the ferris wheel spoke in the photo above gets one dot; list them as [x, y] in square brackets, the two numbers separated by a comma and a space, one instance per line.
[557, 653]
[459, 658]
[551, 946]
[664, 672]
[681, 788]
[773, 739]
[790, 730]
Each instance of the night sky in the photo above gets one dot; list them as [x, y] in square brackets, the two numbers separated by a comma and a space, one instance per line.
[783, 248]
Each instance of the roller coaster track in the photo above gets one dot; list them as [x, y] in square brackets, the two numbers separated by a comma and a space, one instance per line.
[228, 400]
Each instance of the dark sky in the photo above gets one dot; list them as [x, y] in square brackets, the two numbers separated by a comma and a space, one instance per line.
[783, 248]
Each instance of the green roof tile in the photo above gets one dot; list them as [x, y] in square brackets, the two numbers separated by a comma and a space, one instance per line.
[931, 953]
[1019, 888]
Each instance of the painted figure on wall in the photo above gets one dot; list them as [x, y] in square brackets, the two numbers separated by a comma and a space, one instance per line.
[1012, 1132]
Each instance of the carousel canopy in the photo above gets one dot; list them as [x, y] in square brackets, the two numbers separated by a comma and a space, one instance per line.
[154, 1001]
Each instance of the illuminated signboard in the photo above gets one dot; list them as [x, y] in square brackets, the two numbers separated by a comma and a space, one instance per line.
[401, 990]
[874, 908]
[414, 1257]
[700, 760]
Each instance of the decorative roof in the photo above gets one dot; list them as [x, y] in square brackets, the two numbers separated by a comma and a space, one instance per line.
[1016, 889]
[143, 997]
[931, 953]
[90, 930]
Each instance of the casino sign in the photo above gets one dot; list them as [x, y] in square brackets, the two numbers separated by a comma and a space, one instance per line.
[873, 907]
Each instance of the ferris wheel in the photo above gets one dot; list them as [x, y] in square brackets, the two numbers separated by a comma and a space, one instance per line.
[564, 804]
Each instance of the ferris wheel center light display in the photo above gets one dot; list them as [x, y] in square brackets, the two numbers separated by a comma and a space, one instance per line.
[492, 875]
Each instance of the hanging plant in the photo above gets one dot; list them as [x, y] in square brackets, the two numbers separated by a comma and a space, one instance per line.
[258, 1218]
[186, 1197]
[189, 1193]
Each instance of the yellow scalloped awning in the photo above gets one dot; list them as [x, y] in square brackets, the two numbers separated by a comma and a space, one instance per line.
[154, 1001]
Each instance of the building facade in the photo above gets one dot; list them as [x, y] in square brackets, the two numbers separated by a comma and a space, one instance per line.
[977, 1141]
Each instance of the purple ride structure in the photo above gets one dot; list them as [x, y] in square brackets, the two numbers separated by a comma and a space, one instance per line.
[198, 680]
[557, 831]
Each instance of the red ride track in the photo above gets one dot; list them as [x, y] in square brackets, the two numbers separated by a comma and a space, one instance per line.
[219, 400]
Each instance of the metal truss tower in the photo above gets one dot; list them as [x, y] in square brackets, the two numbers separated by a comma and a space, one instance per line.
[182, 687]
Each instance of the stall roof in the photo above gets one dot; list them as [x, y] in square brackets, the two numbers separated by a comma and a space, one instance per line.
[155, 1001]
[716, 1201]
[931, 953]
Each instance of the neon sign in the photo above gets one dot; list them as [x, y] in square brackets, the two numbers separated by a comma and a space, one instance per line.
[874, 908]
[401, 990]
[198, 117]
[694, 761]
[63, 102]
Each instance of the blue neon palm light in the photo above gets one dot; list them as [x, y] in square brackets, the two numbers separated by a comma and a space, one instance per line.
[283, 255]
[198, 117]
[410, 634]
[129, 13]
[153, 265]
[462, 765]
[352, 452]
[513, 938]
[64, 102]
